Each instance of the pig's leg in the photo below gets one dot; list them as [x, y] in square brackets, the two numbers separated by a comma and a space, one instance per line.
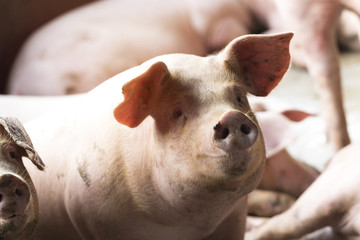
[268, 203]
[283, 173]
[233, 227]
[323, 65]
[316, 47]
[315, 209]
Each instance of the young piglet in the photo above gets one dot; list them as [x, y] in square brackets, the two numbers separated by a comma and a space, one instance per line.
[172, 158]
[330, 204]
[18, 199]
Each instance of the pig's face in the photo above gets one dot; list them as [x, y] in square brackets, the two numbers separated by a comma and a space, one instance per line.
[18, 200]
[205, 133]
[208, 134]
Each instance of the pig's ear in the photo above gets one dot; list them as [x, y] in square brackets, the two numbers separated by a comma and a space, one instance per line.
[140, 94]
[296, 115]
[261, 60]
[17, 133]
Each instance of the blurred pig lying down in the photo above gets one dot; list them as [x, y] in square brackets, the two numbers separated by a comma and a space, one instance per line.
[329, 209]
[165, 150]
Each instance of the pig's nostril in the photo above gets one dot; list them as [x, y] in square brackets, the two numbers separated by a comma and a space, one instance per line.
[1, 197]
[224, 133]
[245, 129]
[18, 192]
[220, 131]
[217, 127]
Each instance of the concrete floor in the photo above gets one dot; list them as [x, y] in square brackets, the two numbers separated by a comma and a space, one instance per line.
[297, 89]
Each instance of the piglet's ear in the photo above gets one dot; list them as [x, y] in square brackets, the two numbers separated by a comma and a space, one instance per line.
[140, 94]
[17, 133]
[262, 60]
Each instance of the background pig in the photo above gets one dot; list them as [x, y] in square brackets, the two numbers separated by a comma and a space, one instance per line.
[18, 19]
[18, 199]
[284, 178]
[282, 172]
[173, 158]
[332, 200]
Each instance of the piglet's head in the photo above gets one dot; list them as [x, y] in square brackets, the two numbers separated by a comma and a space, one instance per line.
[18, 199]
[203, 127]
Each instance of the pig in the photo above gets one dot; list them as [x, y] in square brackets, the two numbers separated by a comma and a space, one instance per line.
[18, 19]
[172, 158]
[284, 178]
[282, 172]
[19, 211]
[77, 51]
[329, 207]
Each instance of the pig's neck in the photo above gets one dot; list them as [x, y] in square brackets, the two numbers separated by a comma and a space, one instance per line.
[161, 196]
[156, 193]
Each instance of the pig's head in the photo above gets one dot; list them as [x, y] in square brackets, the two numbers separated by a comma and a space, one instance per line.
[204, 133]
[18, 199]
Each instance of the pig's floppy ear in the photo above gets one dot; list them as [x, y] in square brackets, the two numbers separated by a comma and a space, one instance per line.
[17, 133]
[140, 94]
[262, 60]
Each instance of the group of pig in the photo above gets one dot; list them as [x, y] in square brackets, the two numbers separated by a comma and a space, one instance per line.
[153, 134]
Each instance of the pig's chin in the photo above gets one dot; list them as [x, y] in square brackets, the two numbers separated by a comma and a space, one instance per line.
[236, 171]
[12, 226]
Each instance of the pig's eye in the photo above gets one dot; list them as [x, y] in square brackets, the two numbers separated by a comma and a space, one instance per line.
[12, 154]
[177, 114]
[239, 99]
[11, 151]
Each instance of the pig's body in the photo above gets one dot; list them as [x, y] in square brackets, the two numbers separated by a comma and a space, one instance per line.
[18, 199]
[181, 173]
[332, 200]
[108, 37]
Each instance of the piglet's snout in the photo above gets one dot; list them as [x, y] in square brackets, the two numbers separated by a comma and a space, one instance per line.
[234, 132]
[14, 196]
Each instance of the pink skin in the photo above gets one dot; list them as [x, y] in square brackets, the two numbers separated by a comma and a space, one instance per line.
[54, 61]
[284, 178]
[18, 198]
[152, 164]
[282, 172]
[330, 205]
[264, 203]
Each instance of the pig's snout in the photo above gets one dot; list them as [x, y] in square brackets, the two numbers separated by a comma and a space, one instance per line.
[14, 196]
[235, 131]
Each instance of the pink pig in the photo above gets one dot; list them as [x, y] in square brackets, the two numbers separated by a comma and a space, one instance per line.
[172, 159]
[18, 199]
[328, 209]
[284, 178]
